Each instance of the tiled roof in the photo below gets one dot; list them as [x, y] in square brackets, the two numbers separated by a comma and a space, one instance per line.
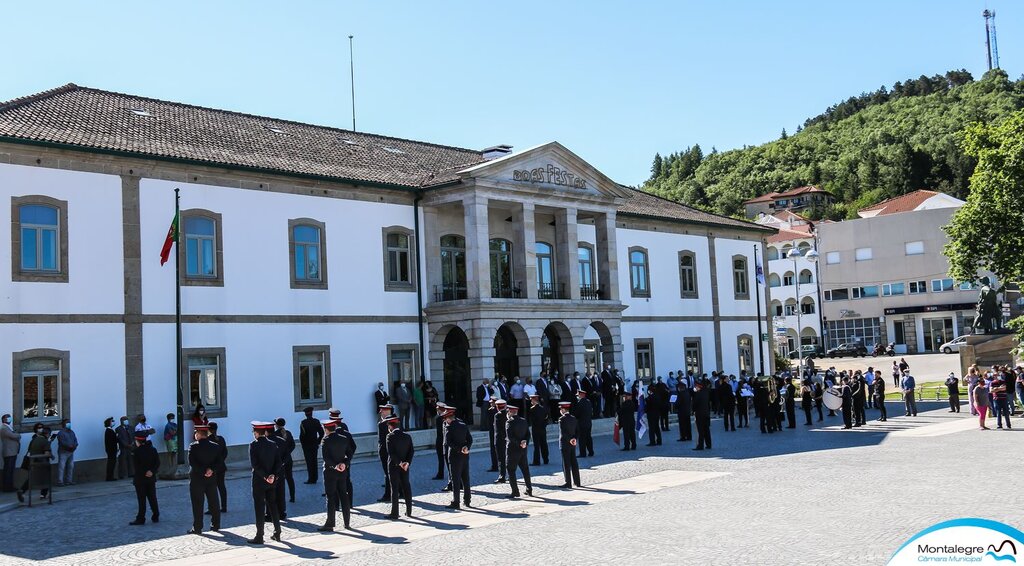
[809, 189]
[794, 233]
[108, 121]
[902, 203]
[651, 206]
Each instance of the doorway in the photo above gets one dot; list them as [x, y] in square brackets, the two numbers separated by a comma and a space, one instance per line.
[551, 355]
[937, 331]
[506, 358]
[457, 390]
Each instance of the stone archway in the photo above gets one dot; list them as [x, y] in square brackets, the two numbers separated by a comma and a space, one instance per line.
[557, 349]
[458, 390]
[506, 349]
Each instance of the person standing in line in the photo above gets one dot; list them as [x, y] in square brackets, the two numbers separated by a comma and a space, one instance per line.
[417, 419]
[971, 381]
[684, 407]
[626, 417]
[869, 381]
[953, 389]
[110, 446]
[908, 385]
[790, 402]
[743, 397]
[459, 440]
[517, 435]
[860, 399]
[567, 441]
[981, 403]
[400, 453]
[430, 400]
[380, 395]
[67, 443]
[537, 416]
[608, 391]
[819, 398]
[727, 399]
[38, 446]
[204, 458]
[220, 472]
[500, 418]
[595, 396]
[171, 440]
[266, 462]
[125, 446]
[806, 400]
[847, 393]
[761, 406]
[483, 401]
[382, 450]
[517, 392]
[439, 408]
[289, 447]
[11, 446]
[147, 464]
[879, 390]
[311, 434]
[895, 374]
[338, 448]
[488, 422]
[652, 408]
[702, 415]
[584, 413]
[403, 398]
[1000, 395]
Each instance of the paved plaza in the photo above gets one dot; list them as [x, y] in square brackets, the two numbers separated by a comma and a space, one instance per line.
[813, 495]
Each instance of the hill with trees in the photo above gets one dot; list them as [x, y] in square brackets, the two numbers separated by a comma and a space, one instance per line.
[865, 149]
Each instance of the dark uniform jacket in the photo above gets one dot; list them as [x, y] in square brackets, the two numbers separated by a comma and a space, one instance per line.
[500, 418]
[203, 455]
[265, 458]
[339, 446]
[567, 430]
[702, 402]
[400, 448]
[584, 413]
[110, 441]
[288, 444]
[382, 435]
[439, 425]
[311, 432]
[725, 395]
[537, 416]
[627, 414]
[223, 444]
[146, 459]
[516, 430]
[457, 437]
[684, 398]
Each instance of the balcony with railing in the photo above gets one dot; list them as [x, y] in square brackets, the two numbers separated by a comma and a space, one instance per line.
[551, 291]
[545, 291]
[507, 292]
[590, 293]
[449, 292]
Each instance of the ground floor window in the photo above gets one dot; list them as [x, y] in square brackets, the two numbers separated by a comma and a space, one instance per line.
[311, 370]
[644, 349]
[691, 350]
[590, 356]
[41, 388]
[863, 330]
[205, 380]
[745, 353]
[402, 363]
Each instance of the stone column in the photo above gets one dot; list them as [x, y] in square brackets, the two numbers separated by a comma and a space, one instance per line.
[567, 271]
[478, 259]
[524, 252]
[481, 356]
[436, 371]
[607, 256]
[431, 253]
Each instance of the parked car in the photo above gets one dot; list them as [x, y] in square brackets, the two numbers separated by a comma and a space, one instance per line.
[953, 345]
[807, 351]
[852, 349]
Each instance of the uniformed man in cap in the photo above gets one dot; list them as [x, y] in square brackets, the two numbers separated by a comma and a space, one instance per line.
[382, 450]
[567, 433]
[584, 413]
[626, 417]
[147, 464]
[537, 416]
[500, 418]
[279, 478]
[517, 435]
[338, 448]
[265, 459]
[221, 472]
[488, 417]
[289, 447]
[439, 440]
[339, 424]
[204, 457]
[702, 414]
[311, 434]
[458, 440]
[400, 452]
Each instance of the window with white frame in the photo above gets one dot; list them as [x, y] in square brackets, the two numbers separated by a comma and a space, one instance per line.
[644, 349]
[39, 239]
[687, 274]
[311, 368]
[941, 285]
[866, 292]
[202, 252]
[399, 268]
[893, 289]
[205, 380]
[914, 248]
[863, 254]
[308, 252]
[740, 286]
[832, 258]
[836, 294]
[917, 287]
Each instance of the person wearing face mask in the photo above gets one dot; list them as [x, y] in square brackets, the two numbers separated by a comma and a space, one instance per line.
[11, 446]
[125, 446]
[39, 446]
[67, 443]
[380, 396]
[110, 446]
[403, 398]
[147, 464]
[516, 392]
[199, 416]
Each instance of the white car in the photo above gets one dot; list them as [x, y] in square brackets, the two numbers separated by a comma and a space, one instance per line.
[953, 345]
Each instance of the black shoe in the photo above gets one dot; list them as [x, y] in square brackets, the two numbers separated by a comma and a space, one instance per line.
[326, 528]
[138, 522]
[624, 450]
[208, 512]
[512, 496]
[224, 510]
[156, 518]
[309, 482]
[535, 463]
[408, 512]
[255, 540]
[215, 528]
[696, 448]
[291, 500]
[393, 516]
[545, 462]
[566, 486]
[276, 536]
[579, 485]
[453, 505]
[446, 488]
[499, 480]
[284, 516]
[529, 492]
[193, 532]
[21, 496]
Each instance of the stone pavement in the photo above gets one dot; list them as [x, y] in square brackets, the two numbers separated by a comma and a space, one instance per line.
[813, 495]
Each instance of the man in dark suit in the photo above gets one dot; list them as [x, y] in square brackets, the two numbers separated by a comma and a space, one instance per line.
[567, 441]
[652, 408]
[380, 395]
[488, 420]
[267, 464]
[626, 417]
[587, 386]
[684, 407]
[483, 401]
[517, 435]
[382, 450]
[584, 413]
[702, 414]
[289, 447]
[500, 387]
[147, 464]
[537, 416]
[204, 458]
[500, 418]
[338, 448]
[221, 472]
[542, 388]
[400, 453]
[608, 390]
[439, 440]
[727, 399]
[311, 434]
[459, 440]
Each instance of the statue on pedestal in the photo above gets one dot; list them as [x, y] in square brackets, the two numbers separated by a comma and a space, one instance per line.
[988, 317]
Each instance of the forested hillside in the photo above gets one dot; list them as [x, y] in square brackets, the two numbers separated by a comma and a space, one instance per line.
[865, 149]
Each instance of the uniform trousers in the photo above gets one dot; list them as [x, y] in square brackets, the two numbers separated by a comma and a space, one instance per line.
[570, 467]
[309, 452]
[145, 490]
[517, 459]
[586, 442]
[629, 436]
[336, 485]
[685, 426]
[264, 500]
[204, 488]
[703, 431]
[499, 444]
[540, 445]
[400, 487]
[440, 459]
[383, 454]
[459, 469]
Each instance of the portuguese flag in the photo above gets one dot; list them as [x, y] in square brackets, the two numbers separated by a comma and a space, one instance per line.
[172, 238]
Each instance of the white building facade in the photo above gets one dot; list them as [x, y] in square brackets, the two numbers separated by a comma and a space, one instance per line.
[318, 262]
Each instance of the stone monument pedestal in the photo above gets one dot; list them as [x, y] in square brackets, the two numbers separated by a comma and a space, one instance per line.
[987, 350]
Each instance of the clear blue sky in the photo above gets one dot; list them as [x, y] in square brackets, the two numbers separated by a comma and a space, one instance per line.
[613, 81]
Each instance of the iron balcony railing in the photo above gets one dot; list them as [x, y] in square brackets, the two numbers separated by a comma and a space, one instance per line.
[551, 291]
[449, 292]
[590, 293]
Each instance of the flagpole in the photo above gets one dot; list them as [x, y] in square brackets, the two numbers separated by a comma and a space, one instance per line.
[177, 326]
[760, 341]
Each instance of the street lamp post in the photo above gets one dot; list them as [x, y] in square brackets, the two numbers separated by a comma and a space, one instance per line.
[812, 256]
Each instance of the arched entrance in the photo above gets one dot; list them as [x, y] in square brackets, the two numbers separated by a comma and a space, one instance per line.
[457, 390]
[551, 354]
[506, 358]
